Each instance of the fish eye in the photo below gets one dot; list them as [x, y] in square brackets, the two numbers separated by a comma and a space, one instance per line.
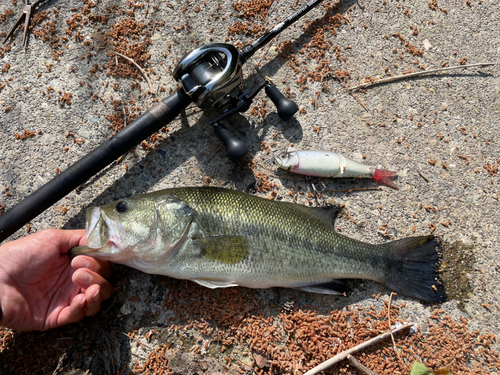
[121, 206]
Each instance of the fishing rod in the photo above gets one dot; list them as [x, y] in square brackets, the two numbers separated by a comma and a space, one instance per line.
[210, 76]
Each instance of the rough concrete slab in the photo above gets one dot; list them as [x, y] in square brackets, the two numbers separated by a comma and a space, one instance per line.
[439, 132]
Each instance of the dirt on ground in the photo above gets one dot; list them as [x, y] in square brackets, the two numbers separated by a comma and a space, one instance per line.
[72, 89]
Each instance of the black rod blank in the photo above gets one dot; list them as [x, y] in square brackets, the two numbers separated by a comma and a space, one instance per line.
[91, 164]
[249, 50]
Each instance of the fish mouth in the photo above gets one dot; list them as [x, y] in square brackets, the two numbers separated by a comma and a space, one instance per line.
[97, 233]
[105, 252]
[97, 228]
[82, 250]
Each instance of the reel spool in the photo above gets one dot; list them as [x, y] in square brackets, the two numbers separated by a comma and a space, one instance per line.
[211, 75]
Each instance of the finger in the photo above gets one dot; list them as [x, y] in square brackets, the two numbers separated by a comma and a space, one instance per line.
[72, 313]
[99, 266]
[64, 239]
[93, 300]
[85, 278]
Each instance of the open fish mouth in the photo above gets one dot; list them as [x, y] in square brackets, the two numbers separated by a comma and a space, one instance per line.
[82, 250]
[96, 228]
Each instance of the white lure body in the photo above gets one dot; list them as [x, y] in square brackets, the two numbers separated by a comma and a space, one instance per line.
[323, 164]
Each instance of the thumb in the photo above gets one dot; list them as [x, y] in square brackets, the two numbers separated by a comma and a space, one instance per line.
[65, 240]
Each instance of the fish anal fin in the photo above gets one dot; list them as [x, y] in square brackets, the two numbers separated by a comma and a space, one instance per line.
[225, 249]
[212, 284]
[333, 287]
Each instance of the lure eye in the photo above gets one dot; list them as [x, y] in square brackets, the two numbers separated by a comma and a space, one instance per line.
[283, 156]
[121, 206]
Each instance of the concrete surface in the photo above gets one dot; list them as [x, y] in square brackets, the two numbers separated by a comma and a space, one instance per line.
[442, 127]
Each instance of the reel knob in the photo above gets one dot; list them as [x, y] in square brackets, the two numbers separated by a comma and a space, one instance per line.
[235, 148]
[286, 108]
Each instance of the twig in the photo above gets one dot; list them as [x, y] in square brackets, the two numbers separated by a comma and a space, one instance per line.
[151, 90]
[356, 189]
[347, 88]
[422, 175]
[389, 320]
[109, 350]
[359, 366]
[216, 151]
[124, 116]
[404, 76]
[60, 363]
[343, 355]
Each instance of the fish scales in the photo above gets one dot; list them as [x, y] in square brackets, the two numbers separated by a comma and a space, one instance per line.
[277, 232]
[219, 237]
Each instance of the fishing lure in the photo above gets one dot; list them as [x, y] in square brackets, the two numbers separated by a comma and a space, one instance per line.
[330, 164]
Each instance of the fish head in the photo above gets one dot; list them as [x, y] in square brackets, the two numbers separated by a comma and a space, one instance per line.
[120, 231]
[287, 160]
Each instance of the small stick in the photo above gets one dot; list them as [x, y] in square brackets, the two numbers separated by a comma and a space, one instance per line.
[60, 362]
[347, 88]
[109, 350]
[216, 151]
[356, 189]
[422, 175]
[404, 76]
[151, 90]
[124, 116]
[389, 320]
[343, 355]
[359, 366]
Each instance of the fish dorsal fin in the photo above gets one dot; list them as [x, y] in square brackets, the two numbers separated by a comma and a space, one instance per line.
[225, 249]
[334, 287]
[212, 284]
[326, 214]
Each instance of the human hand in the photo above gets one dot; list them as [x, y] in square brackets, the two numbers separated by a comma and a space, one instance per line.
[42, 288]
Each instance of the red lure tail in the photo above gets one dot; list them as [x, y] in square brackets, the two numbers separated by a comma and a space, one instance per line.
[384, 177]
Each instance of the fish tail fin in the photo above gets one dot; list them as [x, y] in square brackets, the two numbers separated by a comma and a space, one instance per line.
[384, 177]
[414, 268]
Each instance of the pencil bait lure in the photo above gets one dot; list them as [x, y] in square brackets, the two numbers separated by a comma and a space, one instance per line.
[330, 164]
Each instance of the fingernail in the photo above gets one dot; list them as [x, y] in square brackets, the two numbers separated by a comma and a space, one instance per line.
[97, 295]
[80, 262]
[83, 278]
[82, 303]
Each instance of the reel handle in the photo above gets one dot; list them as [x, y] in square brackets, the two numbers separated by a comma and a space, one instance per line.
[286, 108]
[235, 148]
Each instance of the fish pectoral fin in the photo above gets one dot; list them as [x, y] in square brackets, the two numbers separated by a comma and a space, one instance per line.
[225, 249]
[212, 284]
[333, 287]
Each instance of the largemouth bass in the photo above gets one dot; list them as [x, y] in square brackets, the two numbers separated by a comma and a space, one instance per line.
[220, 238]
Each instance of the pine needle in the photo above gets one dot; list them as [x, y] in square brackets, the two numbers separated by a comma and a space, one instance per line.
[151, 89]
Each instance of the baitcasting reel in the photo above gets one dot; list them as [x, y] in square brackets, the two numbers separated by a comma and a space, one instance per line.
[212, 76]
